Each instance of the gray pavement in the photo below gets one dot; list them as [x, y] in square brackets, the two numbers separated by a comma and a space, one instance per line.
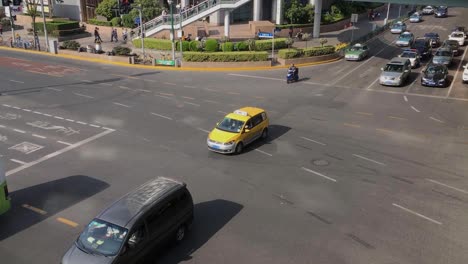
[352, 172]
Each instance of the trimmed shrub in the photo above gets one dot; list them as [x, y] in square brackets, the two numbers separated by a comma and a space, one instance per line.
[122, 51]
[152, 43]
[127, 21]
[318, 51]
[225, 57]
[185, 45]
[71, 44]
[266, 44]
[227, 47]
[57, 25]
[194, 45]
[211, 45]
[116, 22]
[241, 46]
[289, 53]
[96, 22]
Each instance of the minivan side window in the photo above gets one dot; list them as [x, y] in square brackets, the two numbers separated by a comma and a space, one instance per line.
[256, 120]
[137, 236]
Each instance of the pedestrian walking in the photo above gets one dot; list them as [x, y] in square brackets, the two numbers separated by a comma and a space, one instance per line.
[1, 29]
[164, 14]
[97, 36]
[114, 32]
[125, 35]
[290, 32]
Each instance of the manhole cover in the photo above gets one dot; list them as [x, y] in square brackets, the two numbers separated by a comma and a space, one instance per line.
[320, 162]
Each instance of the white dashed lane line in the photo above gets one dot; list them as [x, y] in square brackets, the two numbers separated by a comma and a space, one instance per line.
[83, 95]
[185, 102]
[187, 97]
[316, 142]
[162, 116]
[93, 125]
[417, 214]
[65, 143]
[263, 152]
[124, 87]
[211, 101]
[26, 110]
[82, 123]
[406, 98]
[124, 105]
[448, 186]
[371, 160]
[319, 174]
[16, 81]
[19, 131]
[55, 89]
[143, 90]
[204, 130]
[415, 109]
[59, 117]
[437, 120]
[38, 136]
[168, 83]
[18, 161]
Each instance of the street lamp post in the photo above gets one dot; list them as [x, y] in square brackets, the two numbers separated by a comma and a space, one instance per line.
[170, 2]
[45, 28]
[142, 34]
[180, 28]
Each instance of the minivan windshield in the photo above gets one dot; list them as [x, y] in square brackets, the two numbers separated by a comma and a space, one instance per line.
[230, 125]
[102, 238]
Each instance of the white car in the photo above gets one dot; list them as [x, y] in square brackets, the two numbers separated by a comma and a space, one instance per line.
[458, 36]
[415, 18]
[465, 74]
[428, 10]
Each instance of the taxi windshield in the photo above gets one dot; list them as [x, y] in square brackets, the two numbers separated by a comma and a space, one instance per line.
[355, 48]
[393, 68]
[231, 125]
[101, 238]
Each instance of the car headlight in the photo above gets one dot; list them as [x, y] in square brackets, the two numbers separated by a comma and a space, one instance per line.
[441, 81]
[229, 143]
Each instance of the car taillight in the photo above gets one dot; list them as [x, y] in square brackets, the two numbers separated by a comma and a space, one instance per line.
[7, 195]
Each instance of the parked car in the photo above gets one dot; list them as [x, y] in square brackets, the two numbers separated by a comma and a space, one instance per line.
[357, 52]
[461, 29]
[395, 72]
[158, 211]
[465, 73]
[423, 46]
[434, 39]
[458, 36]
[453, 45]
[415, 18]
[443, 56]
[413, 56]
[398, 28]
[428, 10]
[442, 11]
[405, 39]
[435, 75]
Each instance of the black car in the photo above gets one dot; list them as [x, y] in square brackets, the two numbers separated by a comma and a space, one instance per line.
[441, 12]
[435, 75]
[423, 46]
[434, 39]
[453, 45]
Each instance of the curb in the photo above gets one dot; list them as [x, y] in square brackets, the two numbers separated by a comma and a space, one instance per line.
[121, 64]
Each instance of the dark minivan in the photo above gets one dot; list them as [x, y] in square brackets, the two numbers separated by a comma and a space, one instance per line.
[158, 211]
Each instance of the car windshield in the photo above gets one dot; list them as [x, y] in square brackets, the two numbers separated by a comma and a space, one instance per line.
[102, 238]
[411, 55]
[458, 35]
[231, 125]
[431, 35]
[443, 53]
[356, 48]
[393, 68]
[420, 44]
[434, 70]
[414, 15]
[405, 36]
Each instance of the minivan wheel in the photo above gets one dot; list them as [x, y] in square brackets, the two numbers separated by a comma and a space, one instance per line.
[180, 234]
[265, 133]
[239, 148]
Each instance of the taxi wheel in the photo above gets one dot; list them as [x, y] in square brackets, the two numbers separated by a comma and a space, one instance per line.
[239, 148]
[265, 133]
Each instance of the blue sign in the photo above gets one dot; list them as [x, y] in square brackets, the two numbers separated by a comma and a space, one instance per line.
[265, 35]
[137, 20]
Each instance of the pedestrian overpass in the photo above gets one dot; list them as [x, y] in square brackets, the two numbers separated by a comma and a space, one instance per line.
[450, 3]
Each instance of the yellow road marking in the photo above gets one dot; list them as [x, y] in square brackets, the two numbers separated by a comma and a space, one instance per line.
[364, 113]
[384, 130]
[190, 98]
[351, 125]
[396, 117]
[67, 222]
[167, 94]
[34, 209]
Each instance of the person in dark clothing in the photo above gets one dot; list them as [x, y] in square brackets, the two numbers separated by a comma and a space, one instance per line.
[97, 37]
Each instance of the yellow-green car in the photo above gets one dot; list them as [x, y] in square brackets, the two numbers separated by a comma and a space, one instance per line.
[357, 52]
[238, 129]
[4, 195]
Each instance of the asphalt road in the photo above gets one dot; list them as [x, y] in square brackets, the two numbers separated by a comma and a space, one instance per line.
[353, 172]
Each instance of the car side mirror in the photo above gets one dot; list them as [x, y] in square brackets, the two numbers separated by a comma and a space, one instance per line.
[217, 124]
[406, 70]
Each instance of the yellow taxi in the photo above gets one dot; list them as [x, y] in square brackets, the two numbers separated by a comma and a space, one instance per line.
[238, 129]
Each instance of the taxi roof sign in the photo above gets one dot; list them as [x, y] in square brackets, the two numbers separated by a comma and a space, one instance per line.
[240, 112]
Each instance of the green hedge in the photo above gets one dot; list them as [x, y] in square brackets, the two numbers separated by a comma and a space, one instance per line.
[308, 52]
[57, 25]
[211, 45]
[227, 47]
[116, 21]
[225, 56]
[127, 21]
[162, 44]
[264, 45]
[96, 22]
[241, 46]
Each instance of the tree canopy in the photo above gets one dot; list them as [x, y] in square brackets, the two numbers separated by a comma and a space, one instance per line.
[106, 9]
[150, 9]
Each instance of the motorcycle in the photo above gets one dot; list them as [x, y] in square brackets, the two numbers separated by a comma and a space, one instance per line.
[292, 76]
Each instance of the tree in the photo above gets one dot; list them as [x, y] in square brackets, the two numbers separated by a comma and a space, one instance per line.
[106, 9]
[149, 9]
[31, 10]
[298, 13]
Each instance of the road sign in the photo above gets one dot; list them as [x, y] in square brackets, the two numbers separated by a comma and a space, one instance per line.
[137, 20]
[265, 35]
[354, 18]
[165, 62]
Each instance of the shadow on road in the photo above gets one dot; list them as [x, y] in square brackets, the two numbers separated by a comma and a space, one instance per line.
[51, 197]
[210, 218]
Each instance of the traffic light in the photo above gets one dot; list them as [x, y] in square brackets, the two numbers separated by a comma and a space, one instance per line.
[16, 2]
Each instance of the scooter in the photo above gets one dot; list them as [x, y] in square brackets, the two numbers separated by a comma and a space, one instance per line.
[292, 76]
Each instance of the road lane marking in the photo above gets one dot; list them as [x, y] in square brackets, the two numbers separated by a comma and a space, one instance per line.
[65, 143]
[417, 214]
[47, 115]
[263, 152]
[351, 125]
[384, 130]
[83, 95]
[166, 94]
[34, 209]
[456, 73]
[124, 105]
[19, 131]
[56, 153]
[414, 108]
[39, 113]
[256, 77]
[211, 101]
[187, 97]
[38, 136]
[234, 93]
[92, 125]
[185, 102]
[162, 96]
[142, 90]
[124, 87]
[15, 107]
[67, 222]
[448, 186]
[59, 117]
[189, 86]
[364, 113]
[163, 116]
[204, 130]
[222, 112]
[406, 98]
[370, 85]
[16, 81]
[87, 81]
[311, 140]
[106, 84]
[319, 174]
[437, 120]
[396, 117]
[371, 160]
[70, 120]
[26, 110]
[2, 126]
[168, 83]
[83, 123]
[55, 89]
[210, 90]
[6, 105]
[18, 161]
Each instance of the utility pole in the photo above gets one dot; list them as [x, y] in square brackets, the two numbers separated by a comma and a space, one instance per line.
[142, 35]
[388, 12]
[181, 31]
[45, 28]
[170, 2]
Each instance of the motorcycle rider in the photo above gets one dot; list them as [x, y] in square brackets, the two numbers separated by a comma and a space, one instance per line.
[295, 71]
